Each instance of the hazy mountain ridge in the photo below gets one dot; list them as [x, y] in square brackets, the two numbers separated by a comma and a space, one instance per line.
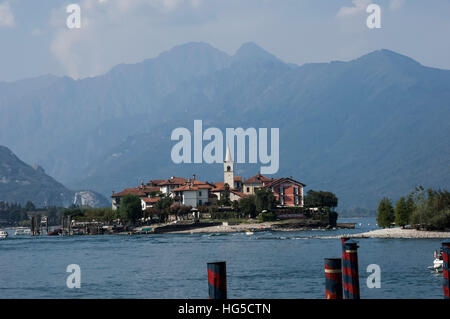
[19, 183]
[374, 126]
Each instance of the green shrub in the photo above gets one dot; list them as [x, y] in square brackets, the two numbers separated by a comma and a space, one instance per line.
[267, 217]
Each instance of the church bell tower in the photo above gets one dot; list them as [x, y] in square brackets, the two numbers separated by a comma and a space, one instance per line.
[228, 169]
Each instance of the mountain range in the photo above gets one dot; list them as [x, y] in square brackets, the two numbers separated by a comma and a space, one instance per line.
[367, 128]
[20, 183]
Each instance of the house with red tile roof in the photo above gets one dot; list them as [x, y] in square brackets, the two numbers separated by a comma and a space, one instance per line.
[287, 191]
[192, 192]
[167, 186]
[219, 189]
[253, 183]
[149, 202]
[143, 191]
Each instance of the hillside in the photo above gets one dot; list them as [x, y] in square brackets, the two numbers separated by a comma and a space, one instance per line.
[364, 129]
[20, 183]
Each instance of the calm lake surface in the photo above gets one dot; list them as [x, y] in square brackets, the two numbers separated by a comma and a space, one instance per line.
[264, 265]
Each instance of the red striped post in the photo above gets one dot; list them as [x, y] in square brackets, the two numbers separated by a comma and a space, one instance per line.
[350, 270]
[217, 280]
[333, 278]
[445, 268]
[343, 240]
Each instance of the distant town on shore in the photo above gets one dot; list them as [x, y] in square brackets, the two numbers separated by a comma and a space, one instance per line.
[189, 202]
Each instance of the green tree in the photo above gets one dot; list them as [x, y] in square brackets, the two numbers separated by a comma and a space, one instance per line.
[247, 206]
[52, 215]
[264, 199]
[29, 207]
[164, 202]
[225, 199]
[385, 213]
[130, 208]
[432, 210]
[152, 212]
[108, 215]
[401, 212]
[235, 205]
[320, 199]
[267, 216]
[410, 206]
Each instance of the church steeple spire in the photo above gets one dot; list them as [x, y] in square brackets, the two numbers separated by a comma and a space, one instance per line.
[228, 169]
[228, 155]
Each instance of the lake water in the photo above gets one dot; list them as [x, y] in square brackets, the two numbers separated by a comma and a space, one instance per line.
[264, 265]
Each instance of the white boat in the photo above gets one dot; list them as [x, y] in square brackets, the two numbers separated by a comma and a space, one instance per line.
[438, 262]
[249, 232]
[3, 234]
[22, 231]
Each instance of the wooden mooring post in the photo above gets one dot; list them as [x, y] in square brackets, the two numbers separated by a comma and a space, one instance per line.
[445, 268]
[350, 270]
[69, 225]
[333, 278]
[217, 280]
[32, 225]
[35, 226]
[343, 240]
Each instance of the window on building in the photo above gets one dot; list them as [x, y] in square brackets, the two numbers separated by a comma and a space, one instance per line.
[199, 193]
[200, 202]
[248, 189]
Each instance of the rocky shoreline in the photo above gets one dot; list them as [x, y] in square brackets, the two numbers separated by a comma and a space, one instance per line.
[387, 233]
[255, 227]
[398, 232]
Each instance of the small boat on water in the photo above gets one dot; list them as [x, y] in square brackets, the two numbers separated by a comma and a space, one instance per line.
[22, 231]
[438, 262]
[249, 232]
[55, 232]
[3, 234]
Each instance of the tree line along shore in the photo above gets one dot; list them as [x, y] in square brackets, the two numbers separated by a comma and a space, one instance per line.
[422, 209]
[250, 212]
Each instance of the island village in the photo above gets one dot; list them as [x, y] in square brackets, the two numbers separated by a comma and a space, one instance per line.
[192, 192]
[179, 204]
[202, 200]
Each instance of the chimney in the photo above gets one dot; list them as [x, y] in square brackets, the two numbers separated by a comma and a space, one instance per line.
[193, 177]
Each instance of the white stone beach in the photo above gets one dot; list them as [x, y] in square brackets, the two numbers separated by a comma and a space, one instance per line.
[234, 228]
[394, 232]
[398, 232]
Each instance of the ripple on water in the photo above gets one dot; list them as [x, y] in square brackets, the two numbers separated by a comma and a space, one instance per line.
[264, 265]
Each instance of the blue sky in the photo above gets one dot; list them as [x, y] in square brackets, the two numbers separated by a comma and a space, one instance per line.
[34, 38]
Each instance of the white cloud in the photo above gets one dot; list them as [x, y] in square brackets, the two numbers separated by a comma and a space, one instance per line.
[88, 51]
[358, 7]
[6, 15]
